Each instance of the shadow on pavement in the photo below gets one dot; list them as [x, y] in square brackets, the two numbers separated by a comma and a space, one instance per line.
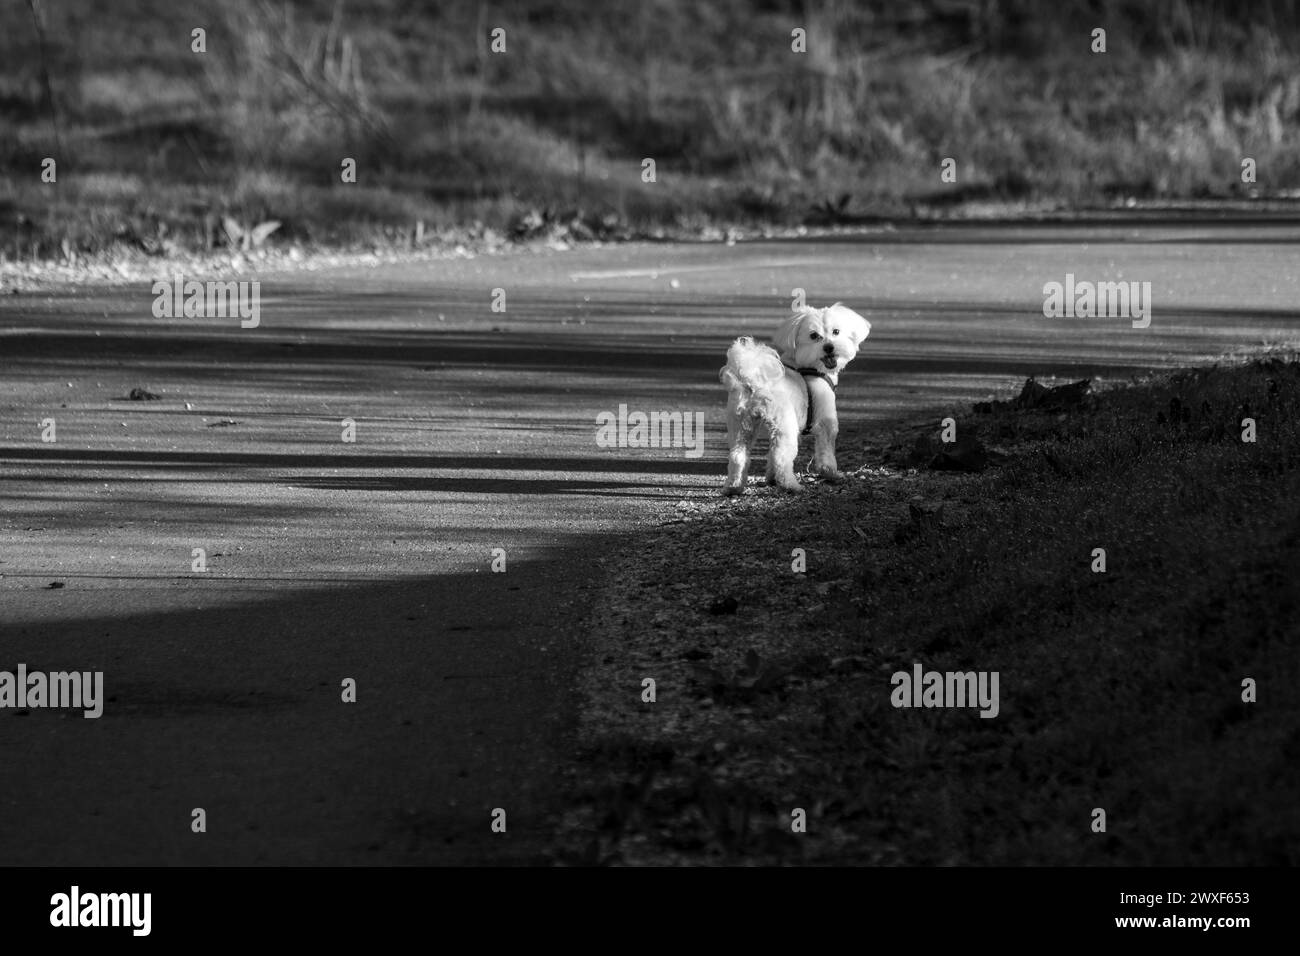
[462, 706]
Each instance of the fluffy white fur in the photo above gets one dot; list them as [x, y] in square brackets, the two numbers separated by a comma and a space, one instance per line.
[770, 399]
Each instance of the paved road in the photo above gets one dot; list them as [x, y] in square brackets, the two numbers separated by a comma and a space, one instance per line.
[475, 430]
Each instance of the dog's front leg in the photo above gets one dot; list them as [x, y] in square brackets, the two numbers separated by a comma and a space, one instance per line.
[825, 430]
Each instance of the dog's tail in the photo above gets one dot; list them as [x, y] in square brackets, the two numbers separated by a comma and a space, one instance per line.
[751, 370]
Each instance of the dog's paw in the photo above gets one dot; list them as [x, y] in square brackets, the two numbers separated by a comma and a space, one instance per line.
[785, 484]
[826, 469]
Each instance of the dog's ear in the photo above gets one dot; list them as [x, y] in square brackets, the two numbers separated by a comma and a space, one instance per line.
[786, 339]
[854, 325]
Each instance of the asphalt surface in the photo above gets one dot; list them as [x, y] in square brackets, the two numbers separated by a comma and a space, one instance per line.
[475, 431]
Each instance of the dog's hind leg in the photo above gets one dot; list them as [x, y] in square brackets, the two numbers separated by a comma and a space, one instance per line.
[782, 451]
[740, 435]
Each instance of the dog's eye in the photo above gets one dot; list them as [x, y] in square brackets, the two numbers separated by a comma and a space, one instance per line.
[835, 332]
[814, 336]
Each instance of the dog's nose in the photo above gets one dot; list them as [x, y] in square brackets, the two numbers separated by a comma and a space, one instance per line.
[828, 348]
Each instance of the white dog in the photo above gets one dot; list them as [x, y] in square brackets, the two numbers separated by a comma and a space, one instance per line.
[788, 391]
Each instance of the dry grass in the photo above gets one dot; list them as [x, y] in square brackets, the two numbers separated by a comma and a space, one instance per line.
[744, 130]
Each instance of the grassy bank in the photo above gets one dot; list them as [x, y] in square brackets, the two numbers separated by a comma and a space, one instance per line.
[1119, 690]
[158, 145]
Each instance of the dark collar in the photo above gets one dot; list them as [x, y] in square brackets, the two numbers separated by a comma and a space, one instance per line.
[806, 373]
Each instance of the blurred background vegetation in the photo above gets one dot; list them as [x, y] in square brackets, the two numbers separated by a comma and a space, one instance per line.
[156, 144]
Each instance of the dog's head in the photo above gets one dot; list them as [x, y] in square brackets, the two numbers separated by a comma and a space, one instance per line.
[825, 339]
